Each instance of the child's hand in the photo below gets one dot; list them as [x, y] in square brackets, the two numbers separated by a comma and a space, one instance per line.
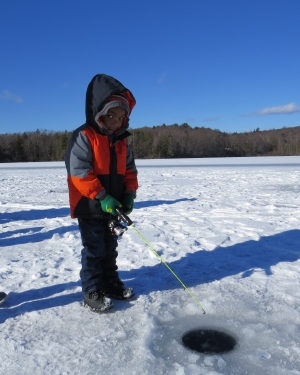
[109, 204]
[127, 203]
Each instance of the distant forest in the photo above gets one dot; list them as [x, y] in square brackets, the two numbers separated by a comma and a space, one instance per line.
[165, 141]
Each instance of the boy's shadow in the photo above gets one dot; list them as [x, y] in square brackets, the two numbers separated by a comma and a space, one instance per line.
[200, 267]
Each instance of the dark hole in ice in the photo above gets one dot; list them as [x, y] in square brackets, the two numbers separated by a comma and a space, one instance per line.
[209, 341]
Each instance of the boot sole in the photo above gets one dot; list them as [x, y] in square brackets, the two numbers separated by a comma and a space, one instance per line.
[98, 311]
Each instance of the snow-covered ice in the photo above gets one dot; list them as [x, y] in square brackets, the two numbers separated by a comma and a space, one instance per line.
[229, 228]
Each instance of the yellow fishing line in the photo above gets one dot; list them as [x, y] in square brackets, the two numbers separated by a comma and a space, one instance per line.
[169, 268]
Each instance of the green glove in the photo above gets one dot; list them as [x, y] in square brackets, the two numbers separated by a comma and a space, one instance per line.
[127, 204]
[109, 204]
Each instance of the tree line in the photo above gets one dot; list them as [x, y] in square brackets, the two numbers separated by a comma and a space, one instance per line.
[33, 146]
[183, 141]
[165, 141]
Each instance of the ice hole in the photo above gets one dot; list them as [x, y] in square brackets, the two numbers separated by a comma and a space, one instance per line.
[209, 341]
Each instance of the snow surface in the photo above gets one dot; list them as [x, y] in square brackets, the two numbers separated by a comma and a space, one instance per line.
[229, 228]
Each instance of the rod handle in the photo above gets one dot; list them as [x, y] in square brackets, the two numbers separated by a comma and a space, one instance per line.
[124, 217]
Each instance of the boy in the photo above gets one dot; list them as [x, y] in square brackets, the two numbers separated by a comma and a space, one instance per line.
[101, 176]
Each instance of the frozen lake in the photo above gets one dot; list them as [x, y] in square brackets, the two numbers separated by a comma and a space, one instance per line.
[228, 227]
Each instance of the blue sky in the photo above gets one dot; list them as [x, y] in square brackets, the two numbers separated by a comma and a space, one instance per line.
[231, 65]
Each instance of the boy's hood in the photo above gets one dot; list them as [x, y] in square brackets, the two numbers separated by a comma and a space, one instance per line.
[99, 89]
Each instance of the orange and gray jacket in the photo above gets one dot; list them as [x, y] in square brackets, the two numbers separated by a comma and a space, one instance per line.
[96, 163]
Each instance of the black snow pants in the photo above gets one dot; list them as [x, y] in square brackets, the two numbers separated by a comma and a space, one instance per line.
[98, 256]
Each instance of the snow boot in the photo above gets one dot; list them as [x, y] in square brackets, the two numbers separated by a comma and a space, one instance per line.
[117, 290]
[97, 302]
[3, 297]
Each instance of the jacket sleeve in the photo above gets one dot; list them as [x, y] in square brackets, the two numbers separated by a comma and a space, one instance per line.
[130, 178]
[79, 166]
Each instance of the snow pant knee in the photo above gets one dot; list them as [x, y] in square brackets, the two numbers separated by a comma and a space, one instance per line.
[98, 256]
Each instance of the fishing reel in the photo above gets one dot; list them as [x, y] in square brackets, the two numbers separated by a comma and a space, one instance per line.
[117, 227]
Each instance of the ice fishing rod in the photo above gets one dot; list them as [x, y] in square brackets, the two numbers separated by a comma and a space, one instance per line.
[118, 229]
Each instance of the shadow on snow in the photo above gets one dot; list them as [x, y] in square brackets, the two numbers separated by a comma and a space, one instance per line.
[200, 267]
[150, 203]
[28, 235]
[38, 299]
[51, 213]
[34, 234]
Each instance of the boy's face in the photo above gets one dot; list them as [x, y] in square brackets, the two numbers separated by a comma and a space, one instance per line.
[113, 120]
